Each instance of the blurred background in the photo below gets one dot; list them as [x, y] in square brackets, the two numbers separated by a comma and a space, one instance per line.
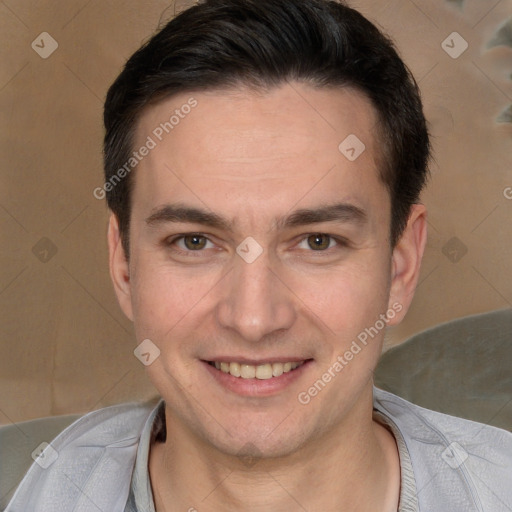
[65, 346]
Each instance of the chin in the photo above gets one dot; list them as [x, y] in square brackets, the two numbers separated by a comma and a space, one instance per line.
[258, 438]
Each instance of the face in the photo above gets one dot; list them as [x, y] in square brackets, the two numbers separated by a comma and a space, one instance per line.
[256, 242]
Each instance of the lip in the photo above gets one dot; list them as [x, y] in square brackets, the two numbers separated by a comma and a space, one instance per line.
[257, 387]
[255, 362]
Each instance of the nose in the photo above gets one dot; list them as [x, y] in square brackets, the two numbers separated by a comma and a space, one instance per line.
[255, 302]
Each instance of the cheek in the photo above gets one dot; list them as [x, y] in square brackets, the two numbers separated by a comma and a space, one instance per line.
[348, 297]
[340, 301]
[166, 300]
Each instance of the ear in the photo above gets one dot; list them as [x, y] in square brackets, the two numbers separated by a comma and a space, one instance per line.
[119, 267]
[406, 262]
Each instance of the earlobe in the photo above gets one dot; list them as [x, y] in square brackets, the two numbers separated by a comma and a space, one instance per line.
[406, 261]
[119, 267]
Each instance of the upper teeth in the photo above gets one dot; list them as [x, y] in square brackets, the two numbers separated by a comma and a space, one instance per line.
[261, 371]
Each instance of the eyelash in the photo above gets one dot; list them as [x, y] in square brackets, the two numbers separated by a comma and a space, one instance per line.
[339, 240]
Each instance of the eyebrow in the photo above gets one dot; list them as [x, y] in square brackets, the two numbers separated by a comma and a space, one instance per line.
[340, 212]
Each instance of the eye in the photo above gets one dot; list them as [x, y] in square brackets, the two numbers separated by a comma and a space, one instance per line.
[319, 242]
[191, 242]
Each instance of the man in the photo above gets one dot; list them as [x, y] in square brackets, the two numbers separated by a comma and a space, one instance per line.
[263, 163]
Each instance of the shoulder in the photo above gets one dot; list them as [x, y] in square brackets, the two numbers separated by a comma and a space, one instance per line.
[108, 425]
[93, 444]
[19, 442]
[453, 459]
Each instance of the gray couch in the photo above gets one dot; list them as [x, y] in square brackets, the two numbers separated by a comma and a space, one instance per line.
[462, 367]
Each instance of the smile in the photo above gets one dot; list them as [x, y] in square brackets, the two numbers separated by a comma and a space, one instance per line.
[261, 371]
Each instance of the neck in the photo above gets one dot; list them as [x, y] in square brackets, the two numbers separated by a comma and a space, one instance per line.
[354, 467]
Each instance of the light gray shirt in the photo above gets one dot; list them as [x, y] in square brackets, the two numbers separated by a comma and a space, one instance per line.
[448, 464]
[141, 496]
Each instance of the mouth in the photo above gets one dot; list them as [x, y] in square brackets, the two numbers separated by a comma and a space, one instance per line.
[257, 378]
[261, 371]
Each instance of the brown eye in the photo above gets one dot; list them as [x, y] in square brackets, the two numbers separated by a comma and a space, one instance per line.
[194, 242]
[319, 242]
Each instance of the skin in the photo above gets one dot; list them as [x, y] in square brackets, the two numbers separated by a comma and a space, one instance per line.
[252, 158]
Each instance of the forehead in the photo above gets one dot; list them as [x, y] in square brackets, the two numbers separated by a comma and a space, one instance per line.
[256, 152]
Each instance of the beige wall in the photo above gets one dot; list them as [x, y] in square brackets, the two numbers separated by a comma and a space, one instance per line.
[65, 345]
